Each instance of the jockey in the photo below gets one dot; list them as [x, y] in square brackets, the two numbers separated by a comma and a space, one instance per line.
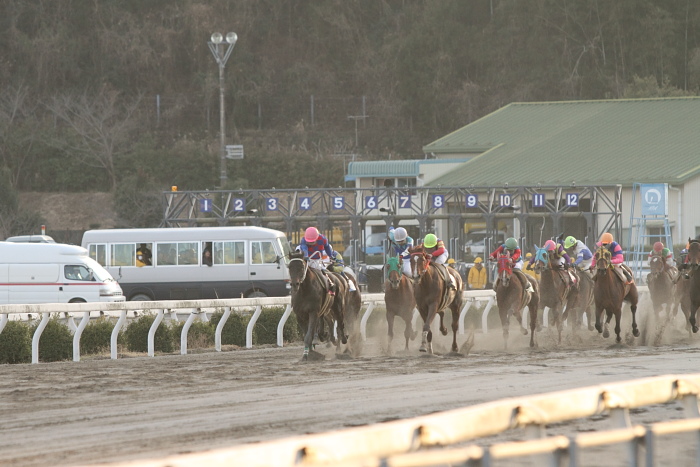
[664, 253]
[436, 248]
[561, 258]
[338, 266]
[510, 248]
[584, 257]
[401, 242]
[314, 245]
[617, 258]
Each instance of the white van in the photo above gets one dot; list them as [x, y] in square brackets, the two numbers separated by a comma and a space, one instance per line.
[193, 263]
[53, 273]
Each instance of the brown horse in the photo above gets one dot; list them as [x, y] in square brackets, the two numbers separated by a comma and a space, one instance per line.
[661, 285]
[554, 287]
[693, 268]
[311, 300]
[512, 298]
[399, 299]
[581, 303]
[348, 322]
[433, 295]
[609, 292]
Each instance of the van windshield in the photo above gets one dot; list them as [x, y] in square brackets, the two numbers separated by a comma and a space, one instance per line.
[99, 273]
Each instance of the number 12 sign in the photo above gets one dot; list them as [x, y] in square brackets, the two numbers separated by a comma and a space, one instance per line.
[572, 199]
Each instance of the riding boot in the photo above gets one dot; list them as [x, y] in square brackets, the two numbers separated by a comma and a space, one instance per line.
[351, 284]
[331, 284]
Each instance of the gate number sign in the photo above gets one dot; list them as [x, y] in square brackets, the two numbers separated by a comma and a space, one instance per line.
[472, 201]
[505, 199]
[537, 200]
[572, 199]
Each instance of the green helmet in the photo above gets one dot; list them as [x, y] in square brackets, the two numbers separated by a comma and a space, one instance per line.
[430, 241]
[569, 242]
[511, 243]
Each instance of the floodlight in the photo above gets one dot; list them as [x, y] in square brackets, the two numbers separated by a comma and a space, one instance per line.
[231, 38]
[217, 38]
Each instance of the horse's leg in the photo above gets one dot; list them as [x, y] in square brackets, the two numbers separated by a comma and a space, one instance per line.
[505, 323]
[455, 325]
[598, 318]
[309, 338]
[428, 315]
[693, 314]
[608, 318]
[390, 326]
[532, 311]
[443, 328]
[408, 330]
[618, 329]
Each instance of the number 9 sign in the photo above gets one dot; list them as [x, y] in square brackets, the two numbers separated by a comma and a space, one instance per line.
[472, 201]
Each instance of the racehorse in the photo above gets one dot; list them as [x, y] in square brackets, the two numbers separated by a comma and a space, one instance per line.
[433, 295]
[661, 285]
[609, 292]
[512, 298]
[399, 299]
[694, 281]
[311, 300]
[580, 304]
[554, 286]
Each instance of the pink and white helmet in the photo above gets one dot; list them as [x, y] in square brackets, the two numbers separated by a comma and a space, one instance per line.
[311, 234]
[549, 245]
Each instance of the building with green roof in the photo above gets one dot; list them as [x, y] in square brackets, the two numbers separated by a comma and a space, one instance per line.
[577, 143]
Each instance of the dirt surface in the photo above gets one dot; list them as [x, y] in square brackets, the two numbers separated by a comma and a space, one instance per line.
[102, 410]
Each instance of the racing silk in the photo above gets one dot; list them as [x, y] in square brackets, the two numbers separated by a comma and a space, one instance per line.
[616, 250]
[400, 249]
[438, 250]
[501, 250]
[582, 252]
[560, 252]
[321, 245]
[666, 255]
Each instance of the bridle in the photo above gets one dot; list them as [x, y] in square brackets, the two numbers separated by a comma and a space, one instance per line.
[602, 259]
[416, 273]
[393, 264]
[305, 265]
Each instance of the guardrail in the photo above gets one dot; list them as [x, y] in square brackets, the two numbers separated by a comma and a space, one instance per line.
[197, 309]
[430, 440]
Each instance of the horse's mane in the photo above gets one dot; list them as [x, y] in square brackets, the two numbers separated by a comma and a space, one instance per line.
[296, 254]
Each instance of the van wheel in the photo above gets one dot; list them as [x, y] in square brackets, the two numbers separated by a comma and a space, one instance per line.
[140, 297]
[77, 300]
[256, 294]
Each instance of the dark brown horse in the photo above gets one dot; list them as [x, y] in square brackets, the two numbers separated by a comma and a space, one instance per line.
[554, 286]
[693, 272]
[581, 302]
[399, 300]
[661, 285]
[609, 292]
[349, 324]
[433, 295]
[311, 300]
[512, 298]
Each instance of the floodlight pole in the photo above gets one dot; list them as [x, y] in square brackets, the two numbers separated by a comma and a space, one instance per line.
[221, 56]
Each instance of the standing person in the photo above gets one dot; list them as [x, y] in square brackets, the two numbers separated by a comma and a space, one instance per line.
[401, 242]
[313, 245]
[477, 275]
[617, 258]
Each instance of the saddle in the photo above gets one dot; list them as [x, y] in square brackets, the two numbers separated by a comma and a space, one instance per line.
[621, 274]
[446, 276]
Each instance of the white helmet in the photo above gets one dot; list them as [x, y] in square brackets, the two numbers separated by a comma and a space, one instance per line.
[400, 234]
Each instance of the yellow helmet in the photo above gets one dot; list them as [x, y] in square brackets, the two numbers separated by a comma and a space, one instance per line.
[477, 260]
[528, 255]
[430, 240]
[451, 261]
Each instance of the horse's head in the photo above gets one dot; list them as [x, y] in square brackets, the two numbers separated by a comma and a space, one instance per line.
[603, 259]
[420, 262]
[694, 252]
[541, 259]
[656, 264]
[394, 272]
[298, 268]
[505, 269]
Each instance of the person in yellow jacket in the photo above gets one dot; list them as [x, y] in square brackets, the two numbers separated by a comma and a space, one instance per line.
[477, 275]
[531, 272]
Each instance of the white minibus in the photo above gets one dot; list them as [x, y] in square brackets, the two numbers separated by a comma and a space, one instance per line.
[192, 263]
[53, 273]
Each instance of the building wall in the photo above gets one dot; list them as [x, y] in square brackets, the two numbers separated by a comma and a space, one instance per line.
[691, 213]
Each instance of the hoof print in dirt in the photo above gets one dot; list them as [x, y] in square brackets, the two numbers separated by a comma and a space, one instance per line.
[343, 356]
[617, 346]
[455, 355]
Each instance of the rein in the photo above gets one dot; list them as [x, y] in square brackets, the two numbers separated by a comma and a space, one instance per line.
[306, 268]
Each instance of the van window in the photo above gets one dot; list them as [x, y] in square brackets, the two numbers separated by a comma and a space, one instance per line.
[78, 273]
[99, 253]
[263, 253]
[188, 253]
[229, 252]
[123, 254]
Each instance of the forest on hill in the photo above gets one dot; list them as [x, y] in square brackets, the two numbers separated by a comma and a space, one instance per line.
[123, 95]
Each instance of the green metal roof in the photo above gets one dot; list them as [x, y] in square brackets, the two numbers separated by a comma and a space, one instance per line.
[401, 168]
[586, 142]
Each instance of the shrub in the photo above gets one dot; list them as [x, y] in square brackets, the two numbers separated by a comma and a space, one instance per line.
[136, 335]
[266, 326]
[234, 329]
[199, 336]
[96, 337]
[56, 342]
[15, 343]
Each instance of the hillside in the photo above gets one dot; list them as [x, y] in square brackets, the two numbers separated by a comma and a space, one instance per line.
[72, 211]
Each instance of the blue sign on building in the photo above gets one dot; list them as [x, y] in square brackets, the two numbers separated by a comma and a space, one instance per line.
[205, 205]
[654, 199]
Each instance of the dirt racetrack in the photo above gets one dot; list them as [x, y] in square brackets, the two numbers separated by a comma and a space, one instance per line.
[103, 411]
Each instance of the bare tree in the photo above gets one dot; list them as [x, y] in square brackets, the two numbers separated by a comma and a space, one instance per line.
[104, 127]
[17, 130]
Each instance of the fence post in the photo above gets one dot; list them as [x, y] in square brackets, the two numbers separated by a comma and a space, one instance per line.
[280, 326]
[220, 327]
[251, 325]
[152, 333]
[78, 333]
[115, 334]
[37, 336]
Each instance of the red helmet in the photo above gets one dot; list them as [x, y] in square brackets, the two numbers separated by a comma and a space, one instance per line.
[549, 245]
[311, 234]
[658, 246]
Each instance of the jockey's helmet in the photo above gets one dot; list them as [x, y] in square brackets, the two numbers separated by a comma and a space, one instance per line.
[311, 234]
[658, 246]
[400, 234]
[511, 243]
[549, 245]
[429, 241]
[606, 238]
[569, 242]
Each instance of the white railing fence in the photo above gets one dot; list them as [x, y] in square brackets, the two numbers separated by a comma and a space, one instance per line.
[197, 309]
[432, 439]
